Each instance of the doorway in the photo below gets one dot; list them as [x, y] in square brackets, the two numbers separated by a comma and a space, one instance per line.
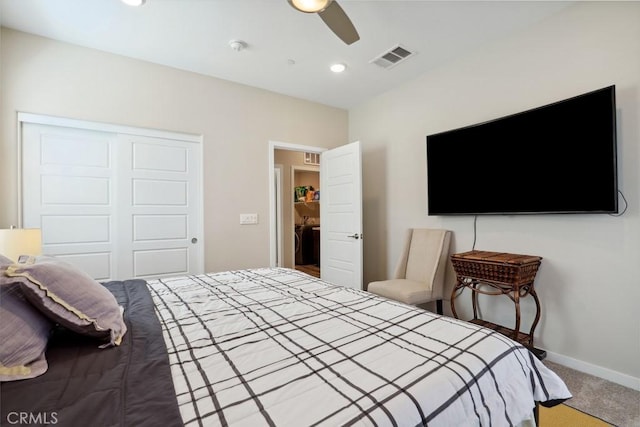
[341, 204]
[283, 238]
[306, 217]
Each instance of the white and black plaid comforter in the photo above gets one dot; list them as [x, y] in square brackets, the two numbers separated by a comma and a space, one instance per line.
[278, 347]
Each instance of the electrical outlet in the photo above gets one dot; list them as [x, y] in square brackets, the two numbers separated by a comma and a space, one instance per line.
[248, 218]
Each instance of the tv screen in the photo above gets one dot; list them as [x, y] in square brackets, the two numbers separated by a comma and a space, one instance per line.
[558, 158]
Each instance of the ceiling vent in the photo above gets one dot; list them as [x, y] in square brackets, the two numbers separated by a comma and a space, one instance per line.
[392, 57]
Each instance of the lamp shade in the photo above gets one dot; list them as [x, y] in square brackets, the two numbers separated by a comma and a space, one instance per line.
[20, 241]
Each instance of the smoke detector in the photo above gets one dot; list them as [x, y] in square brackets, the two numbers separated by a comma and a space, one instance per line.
[237, 45]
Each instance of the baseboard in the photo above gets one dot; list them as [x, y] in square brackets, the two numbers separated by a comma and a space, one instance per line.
[598, 371]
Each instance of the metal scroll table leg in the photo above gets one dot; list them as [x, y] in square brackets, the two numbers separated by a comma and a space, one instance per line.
[516, 300]
[457, 286]
[532, 292]
[474, 298]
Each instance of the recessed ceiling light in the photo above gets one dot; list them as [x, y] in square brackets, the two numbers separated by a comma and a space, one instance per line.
[338, 68]
[133, 2]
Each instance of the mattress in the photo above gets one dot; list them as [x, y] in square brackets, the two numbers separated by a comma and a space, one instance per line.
[278, 347]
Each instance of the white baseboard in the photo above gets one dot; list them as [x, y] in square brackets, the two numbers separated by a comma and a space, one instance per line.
[598, 371]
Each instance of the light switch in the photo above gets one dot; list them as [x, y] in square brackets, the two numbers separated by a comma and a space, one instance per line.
[249, 218]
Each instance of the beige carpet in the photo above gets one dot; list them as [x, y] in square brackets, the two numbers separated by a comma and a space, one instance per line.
[617, 405]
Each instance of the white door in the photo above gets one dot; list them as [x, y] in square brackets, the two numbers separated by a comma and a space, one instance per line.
[158, 214]
[68, 192]
[117, 206]
[341, 209]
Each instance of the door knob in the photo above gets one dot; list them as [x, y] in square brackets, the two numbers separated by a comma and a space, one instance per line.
[355, 236]
[194, 240]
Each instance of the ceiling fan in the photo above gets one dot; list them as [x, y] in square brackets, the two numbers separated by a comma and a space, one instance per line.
[332, 15]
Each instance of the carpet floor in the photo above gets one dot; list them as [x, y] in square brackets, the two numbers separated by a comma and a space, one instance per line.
[613, 403]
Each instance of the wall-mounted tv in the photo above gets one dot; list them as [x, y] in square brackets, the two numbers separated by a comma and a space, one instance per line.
[558, 158]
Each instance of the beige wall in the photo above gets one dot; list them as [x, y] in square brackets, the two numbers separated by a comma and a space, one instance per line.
[237, 122]
[589, 281]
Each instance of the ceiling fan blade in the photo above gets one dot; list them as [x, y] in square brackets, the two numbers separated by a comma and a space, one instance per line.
[339, 23]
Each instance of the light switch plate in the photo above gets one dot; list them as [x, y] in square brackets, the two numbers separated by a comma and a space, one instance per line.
[251, 218]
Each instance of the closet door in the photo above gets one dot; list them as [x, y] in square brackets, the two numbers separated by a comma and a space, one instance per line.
[69, 191]
[158, 216]
[118, 206]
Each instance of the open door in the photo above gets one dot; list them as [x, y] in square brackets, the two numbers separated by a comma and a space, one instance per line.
[341, 207]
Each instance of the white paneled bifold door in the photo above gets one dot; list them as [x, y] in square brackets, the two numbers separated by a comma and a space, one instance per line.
[117, 205]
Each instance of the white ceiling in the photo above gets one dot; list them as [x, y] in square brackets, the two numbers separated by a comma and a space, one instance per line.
[194, 35]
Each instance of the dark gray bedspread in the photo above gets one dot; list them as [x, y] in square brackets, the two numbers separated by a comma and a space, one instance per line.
[128, 385]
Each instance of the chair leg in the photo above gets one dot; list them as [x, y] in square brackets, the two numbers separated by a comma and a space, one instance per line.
[439, 307]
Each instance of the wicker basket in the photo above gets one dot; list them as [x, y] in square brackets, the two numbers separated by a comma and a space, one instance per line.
[496, 267]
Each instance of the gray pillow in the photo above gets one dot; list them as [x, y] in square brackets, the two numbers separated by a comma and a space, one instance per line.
[69, 296]
[24, 333]
[4, 261]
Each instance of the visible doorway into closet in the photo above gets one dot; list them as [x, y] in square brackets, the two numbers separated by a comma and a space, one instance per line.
[300, 201]
[306, 217]
[341, 244]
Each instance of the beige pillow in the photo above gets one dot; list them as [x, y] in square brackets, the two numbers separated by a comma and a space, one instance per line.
[69, 296]
[24, 333]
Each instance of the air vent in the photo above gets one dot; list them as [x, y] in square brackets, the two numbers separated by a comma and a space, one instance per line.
[392, 57]
[312, 158]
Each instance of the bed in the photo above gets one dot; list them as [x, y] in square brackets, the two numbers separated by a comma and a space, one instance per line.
[278, 347]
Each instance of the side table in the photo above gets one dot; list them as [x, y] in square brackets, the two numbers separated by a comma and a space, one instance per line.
[505, 274]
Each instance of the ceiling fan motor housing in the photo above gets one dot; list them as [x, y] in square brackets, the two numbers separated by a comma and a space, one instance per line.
[310, 6]
[332, 15]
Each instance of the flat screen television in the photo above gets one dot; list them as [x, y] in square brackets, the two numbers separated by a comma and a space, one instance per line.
[558, 158]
